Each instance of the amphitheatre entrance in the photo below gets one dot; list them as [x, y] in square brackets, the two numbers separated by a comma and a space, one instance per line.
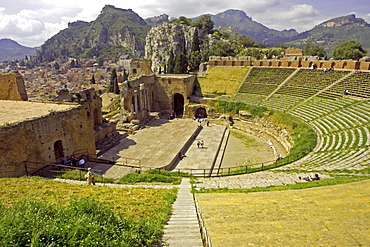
[58, 149]
[201, 113]
[178, 104]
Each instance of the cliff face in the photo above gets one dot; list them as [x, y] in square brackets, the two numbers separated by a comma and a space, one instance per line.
[115, 32]
[175, 37]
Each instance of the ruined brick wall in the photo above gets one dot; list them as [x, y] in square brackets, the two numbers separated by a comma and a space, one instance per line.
[35, 140]
[12, 87]
[167, 86]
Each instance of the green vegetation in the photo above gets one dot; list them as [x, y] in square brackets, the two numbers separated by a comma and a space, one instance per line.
[303, 136]
[349, 50]
[222, 80]
[40, 212]
[150, 176]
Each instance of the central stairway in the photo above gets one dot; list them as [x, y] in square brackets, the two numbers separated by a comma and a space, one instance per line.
[183, 229]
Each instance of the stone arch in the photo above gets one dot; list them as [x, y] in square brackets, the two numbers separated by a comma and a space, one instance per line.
[178, 104]
[58, 149]
[344, 65]
[201, 112]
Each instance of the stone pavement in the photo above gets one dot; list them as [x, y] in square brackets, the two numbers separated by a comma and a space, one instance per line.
[257, 179]
[203, 157]
[155, 145]
[182, 229]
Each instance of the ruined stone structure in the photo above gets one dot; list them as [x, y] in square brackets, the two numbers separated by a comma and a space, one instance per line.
[292, 59]
[47, 137]
[145, 92]
[34, 134]
[12, 87]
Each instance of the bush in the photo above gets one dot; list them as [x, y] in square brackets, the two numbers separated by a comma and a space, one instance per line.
[84, 222]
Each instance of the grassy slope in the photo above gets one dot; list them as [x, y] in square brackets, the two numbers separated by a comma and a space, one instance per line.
[137, 203]
[222, 80]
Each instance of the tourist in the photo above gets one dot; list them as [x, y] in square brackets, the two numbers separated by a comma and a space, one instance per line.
[198, 144]
[74, 161]
[81, 163]
[201, 143]
[316, 177]
[307, 179]
[90, 176]
[64, 161]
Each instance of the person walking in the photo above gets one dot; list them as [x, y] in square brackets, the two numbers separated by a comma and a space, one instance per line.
[90, 176]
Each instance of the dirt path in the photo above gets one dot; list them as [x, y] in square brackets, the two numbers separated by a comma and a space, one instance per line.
[245, 149]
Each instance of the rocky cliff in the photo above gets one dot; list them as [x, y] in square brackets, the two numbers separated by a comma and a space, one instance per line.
[115, 32]
[172, 37]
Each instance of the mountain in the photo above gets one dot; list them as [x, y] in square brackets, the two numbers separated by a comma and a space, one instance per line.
[114, 32]
[151, 21]
[335, 31]
[11, 50]
[244, 24]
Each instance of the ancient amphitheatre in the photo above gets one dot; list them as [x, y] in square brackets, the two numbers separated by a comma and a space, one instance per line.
[335, 215]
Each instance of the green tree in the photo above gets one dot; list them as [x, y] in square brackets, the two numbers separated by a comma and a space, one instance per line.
[194, 59]
[223, 48]
[310, 49]
[349, 50]
[113, 87]
[171, 63]
[92, 80]
[181, 64]
[184, 20]
[195, 43]
[205, 22]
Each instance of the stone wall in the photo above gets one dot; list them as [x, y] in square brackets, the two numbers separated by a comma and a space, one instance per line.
[290, 62]
[43, 140]
[12, 87]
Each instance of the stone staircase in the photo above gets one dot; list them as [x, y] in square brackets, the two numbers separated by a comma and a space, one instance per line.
[183, 228]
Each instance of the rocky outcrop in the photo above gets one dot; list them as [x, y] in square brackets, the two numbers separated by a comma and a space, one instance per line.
[172, 37]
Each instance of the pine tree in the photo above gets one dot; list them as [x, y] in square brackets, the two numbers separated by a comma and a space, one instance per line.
[92, 80]
[113, 87]
[171, 63]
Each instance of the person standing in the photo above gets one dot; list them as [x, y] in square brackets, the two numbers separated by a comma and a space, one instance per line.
[90, 176]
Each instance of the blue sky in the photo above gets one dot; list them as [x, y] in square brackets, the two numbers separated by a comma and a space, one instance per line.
[32, 22]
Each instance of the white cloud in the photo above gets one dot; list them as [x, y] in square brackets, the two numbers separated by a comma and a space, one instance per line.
[301, 17]
[32, 22]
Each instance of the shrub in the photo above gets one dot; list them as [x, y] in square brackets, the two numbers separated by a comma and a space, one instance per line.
[84, 222]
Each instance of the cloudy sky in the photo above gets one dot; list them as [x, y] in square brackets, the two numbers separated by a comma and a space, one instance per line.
[32, 22]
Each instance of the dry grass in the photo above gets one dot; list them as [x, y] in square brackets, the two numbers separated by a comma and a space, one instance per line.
[326, 216]
[131, 202]
[222, 80]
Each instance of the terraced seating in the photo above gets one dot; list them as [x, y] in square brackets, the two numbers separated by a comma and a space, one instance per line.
[341, 122]
[281, 102]
[316, 79]
[344, 135]
[268, 75]
[257, 88]
[357, 85]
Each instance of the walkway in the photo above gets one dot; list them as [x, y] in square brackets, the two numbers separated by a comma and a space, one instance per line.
[182, 230]
[155, 145]
[203, 157]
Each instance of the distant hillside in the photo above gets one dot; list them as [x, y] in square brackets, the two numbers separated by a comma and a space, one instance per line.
[151, 21]
[244, 24]
[114, 32]
[11, 50]
[335, 31]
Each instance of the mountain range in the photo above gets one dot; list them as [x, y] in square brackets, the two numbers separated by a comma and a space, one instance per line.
[119, 31]
[10, 50]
